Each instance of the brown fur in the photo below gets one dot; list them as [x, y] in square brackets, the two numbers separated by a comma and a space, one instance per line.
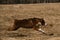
[27, 23]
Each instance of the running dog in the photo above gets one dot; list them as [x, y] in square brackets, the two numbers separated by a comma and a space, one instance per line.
[34, 23]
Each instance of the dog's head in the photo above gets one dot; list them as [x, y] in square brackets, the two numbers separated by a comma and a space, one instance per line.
[40, 21]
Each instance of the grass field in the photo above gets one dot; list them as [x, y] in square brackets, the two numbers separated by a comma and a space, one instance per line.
[49, 11]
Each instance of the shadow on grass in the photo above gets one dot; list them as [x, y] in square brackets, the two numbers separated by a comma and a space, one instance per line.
[16, 35]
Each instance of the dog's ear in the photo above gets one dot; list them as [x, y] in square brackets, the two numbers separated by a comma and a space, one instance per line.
[42, 21]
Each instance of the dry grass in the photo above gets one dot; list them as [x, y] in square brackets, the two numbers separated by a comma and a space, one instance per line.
[50, 12]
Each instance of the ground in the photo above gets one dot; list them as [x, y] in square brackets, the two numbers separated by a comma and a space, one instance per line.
[49, 11]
